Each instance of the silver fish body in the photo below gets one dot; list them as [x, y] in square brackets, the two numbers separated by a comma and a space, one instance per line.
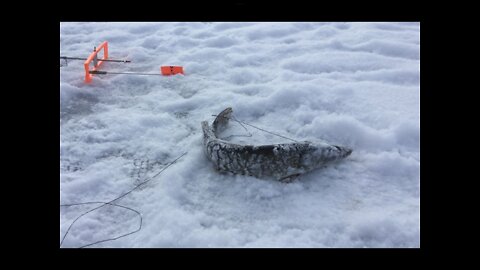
[281, 161]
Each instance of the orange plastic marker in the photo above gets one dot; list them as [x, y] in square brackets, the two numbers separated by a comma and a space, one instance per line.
[171, 70]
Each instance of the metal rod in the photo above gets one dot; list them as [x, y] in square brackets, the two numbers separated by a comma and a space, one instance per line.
[106, 60]
[99, 72]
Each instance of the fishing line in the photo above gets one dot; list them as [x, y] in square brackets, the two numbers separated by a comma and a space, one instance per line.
[116, 205]
[261, 129]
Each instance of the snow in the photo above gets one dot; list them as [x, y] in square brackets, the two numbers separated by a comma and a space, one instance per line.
[352, 84]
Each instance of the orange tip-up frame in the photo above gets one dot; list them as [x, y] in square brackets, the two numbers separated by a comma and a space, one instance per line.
[96, 63]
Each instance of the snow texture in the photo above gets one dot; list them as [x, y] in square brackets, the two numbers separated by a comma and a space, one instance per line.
[352, 84]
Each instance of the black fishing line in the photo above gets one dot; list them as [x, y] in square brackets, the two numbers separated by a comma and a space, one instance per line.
[115, 205]
[250, 134]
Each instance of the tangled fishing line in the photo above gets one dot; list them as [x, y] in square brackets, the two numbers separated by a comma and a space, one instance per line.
[242, 123]
[115, 205]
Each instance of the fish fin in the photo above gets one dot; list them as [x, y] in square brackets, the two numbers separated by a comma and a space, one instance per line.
[289, 178]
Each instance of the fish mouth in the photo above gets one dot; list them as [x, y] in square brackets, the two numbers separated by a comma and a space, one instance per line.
[345, 151]
[277, 160]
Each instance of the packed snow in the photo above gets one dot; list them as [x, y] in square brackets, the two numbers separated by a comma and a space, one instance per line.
[351, 84]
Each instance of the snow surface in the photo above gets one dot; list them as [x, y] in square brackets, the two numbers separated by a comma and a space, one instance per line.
[352, 84]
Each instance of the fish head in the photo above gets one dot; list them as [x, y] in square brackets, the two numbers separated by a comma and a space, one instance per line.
[317, 154]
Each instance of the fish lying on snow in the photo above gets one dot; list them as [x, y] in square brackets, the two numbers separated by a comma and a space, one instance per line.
[281, 161]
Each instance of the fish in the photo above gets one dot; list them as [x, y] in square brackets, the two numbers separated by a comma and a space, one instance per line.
[283, 162]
